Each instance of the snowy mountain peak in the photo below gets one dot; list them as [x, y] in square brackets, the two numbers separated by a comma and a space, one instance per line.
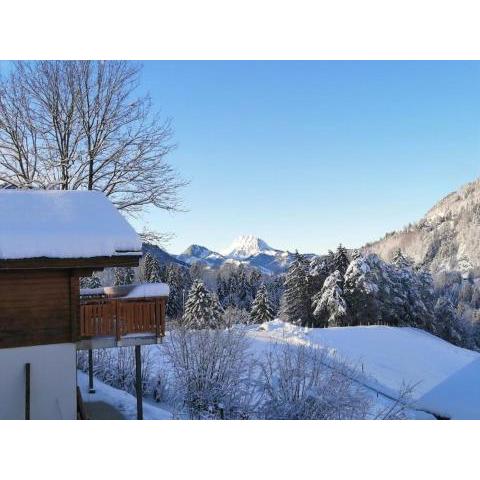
[197, 251]
[246, 246]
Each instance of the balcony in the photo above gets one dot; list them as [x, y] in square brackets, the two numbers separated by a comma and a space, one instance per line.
[122, 316]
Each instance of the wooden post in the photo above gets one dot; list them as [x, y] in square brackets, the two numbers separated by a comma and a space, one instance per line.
[118, 327]
[91, 389]
[27, 391]
[158, 317]
[163, 314]
[138, 382]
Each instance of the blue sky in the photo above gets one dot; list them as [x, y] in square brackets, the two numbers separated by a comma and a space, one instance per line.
[306, 155]
[309, 154]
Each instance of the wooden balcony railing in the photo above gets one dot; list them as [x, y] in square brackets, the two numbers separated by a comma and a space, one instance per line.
[104, 317]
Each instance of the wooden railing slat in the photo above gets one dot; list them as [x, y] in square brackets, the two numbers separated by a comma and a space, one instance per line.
[105, 316]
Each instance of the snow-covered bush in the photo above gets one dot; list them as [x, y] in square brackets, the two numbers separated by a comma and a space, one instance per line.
[299, 382]
[116, 367]
[235, 316]
[211, 373]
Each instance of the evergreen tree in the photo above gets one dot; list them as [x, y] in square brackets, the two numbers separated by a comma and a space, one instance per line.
[151, 271]
[275, 287]
[422, 298]
[90, 282]
[244, 298]
[227, 289]
[330, 308]
[330, 257]
[202, 310]
[361, 290]
[447, 324]
[179, 281]
[296, 300]
[222, 290]
[341, 260]
[318, 271]
[123, 276]
[262, 310]
[400, 260]
[254, 283]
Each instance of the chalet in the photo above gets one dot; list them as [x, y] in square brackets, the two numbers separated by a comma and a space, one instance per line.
[48, 240]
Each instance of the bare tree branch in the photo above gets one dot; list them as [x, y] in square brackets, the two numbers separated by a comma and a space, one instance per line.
[81, 125]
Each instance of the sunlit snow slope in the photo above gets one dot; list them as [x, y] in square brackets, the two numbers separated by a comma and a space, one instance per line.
[446, 377]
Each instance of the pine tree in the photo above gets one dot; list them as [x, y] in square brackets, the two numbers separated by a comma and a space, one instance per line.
[179, 281]
[150, 270]
[296, 300]
[227, 286]
[202, 309]
[275, 287]
[318, 271]
[155, 272]
[90, 282]
[243, 287]
[254, 283]
[123, 276]
[400, 260]
[329, 258]
[447, 323]
[330, 308]
[361, 290]
[262, 310]
[340, 260]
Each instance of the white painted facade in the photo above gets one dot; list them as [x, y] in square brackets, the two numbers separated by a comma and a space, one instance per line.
[52, 382]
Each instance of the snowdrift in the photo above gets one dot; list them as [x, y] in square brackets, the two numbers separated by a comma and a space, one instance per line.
[446, 377]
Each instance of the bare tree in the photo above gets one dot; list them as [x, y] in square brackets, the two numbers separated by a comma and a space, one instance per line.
[211, 373]
[81, 125]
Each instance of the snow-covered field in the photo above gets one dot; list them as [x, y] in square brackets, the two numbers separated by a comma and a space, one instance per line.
[445, 377]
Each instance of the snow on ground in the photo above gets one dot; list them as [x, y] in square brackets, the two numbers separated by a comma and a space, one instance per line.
[446, 377]
[62, 224]
[125, 403]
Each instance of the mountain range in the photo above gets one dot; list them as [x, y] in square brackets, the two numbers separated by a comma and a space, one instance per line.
[246, 249]
[447, 238]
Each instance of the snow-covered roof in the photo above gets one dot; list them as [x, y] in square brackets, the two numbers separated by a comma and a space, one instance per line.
[140, 290]
[62, 224]
[146, 290]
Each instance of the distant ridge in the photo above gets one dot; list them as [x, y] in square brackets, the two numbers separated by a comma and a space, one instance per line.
[248, 250]
[446, 238]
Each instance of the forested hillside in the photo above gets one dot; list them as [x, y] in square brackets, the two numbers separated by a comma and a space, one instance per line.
[446, 238]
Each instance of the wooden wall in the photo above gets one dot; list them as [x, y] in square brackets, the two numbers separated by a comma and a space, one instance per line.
[38, 307]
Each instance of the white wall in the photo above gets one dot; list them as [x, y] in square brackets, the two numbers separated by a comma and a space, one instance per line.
[52, 382]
